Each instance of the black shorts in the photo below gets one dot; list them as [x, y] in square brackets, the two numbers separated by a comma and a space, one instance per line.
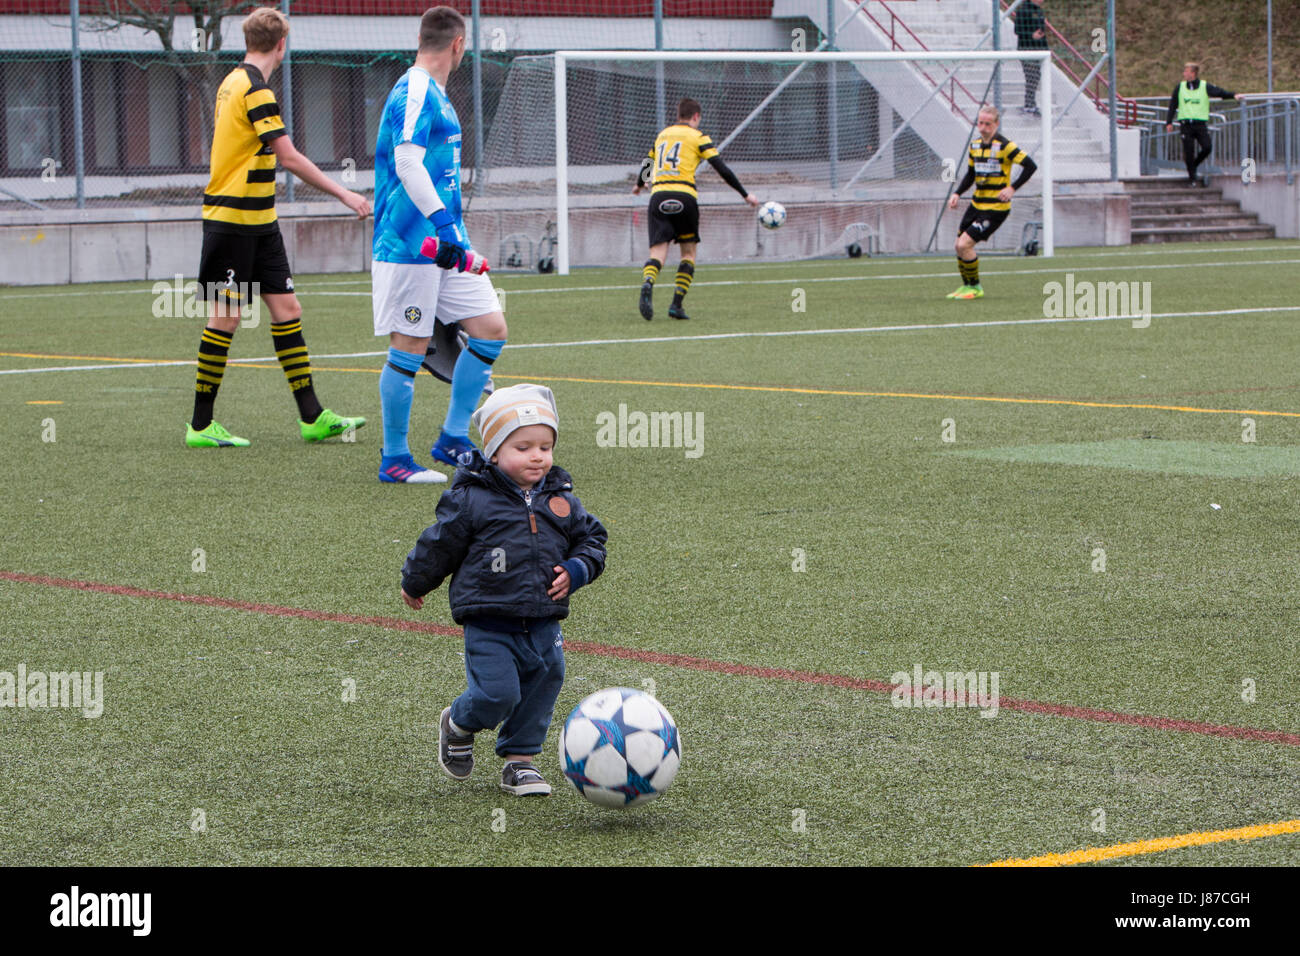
[235, 267]
[674, 217]
[979, 224]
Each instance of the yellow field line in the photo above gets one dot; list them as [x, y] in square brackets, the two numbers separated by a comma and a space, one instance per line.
[1159, 845]
[934, 396]
[82, 358]
[930, 395]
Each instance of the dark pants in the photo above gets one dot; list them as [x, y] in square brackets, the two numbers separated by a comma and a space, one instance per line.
[1195, 133]
[1032, 72]
[514, 672]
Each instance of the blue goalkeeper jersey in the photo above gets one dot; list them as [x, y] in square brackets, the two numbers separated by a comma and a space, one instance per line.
[417, 111]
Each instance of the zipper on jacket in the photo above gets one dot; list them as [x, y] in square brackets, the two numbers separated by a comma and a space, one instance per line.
[532, 518]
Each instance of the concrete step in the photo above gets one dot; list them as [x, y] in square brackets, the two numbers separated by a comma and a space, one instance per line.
[1183, 207]
[1194, 220]
[1154, 184]
[1201, 233]
[1162, 209]
[1178, 194]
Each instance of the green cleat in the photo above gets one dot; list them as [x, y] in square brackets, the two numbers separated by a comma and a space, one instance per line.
[214, 436]
[957, 293]
[970, 292]
[328, 425]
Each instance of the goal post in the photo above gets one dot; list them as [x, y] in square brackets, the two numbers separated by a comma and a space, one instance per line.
[874, 176]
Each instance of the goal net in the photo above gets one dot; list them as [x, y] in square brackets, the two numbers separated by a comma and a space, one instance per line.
[862, 149]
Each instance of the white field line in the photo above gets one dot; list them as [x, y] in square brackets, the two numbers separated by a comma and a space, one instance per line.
[794, 281]
[945, 274]
[863, 330]
[1254, 250]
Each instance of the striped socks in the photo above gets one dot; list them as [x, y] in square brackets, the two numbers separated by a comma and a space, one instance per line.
[291, 350]
[970, 271]
[214, 348]
[650, 272]
[682, 283]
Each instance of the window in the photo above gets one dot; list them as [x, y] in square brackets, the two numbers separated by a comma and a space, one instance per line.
[31, 116]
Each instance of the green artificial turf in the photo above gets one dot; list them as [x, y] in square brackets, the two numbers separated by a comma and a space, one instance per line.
[826, 526]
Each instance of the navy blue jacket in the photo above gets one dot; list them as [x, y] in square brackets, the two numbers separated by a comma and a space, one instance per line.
[500, 545]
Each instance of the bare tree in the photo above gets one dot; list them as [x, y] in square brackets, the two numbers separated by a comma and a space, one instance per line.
[195, 60]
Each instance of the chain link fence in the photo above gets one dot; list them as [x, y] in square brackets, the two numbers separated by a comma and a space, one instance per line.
[142, 76]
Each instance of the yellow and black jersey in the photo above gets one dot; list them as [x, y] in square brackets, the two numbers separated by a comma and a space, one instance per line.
[676, 155]
[241, 188]
[991, 163]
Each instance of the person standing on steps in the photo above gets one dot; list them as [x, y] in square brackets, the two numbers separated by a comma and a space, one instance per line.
[1031, 34]
[1190, 105]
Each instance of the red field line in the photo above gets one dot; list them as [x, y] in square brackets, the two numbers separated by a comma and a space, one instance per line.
[671, 660]
[276, 610]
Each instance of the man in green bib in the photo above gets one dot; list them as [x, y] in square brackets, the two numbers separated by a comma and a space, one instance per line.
[1190, 105]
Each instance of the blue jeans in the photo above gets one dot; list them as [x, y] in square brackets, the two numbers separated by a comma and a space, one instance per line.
[514, 668]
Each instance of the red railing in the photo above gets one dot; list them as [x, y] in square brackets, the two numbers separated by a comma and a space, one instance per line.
[953, 84]
[1126, 111]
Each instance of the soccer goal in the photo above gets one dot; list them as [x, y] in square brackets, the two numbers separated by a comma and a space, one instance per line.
[863, 150]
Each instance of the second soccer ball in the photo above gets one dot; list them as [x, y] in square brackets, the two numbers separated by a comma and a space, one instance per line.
[771, 215]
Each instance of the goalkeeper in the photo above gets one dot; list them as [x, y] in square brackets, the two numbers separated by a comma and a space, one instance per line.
[990, 159]
[674, 204]
[417, 195]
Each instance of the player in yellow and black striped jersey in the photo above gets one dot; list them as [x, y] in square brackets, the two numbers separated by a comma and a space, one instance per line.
[243, 254]
[241, 189]
[989, 163]
[674, 214]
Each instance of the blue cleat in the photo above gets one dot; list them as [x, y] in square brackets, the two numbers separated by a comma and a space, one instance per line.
[403, 470]
[448, 449]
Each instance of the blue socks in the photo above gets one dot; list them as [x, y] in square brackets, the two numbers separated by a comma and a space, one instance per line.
[396, 390]
[468, 378]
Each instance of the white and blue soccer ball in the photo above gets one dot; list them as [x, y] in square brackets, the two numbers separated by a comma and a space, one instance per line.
[771, 215]
[620, 747]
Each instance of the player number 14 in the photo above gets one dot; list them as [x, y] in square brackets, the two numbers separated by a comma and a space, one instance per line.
[668, 159]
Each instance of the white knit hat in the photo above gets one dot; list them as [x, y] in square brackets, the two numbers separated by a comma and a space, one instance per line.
[507, 409]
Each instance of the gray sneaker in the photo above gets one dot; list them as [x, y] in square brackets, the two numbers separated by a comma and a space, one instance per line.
[523, 780]
[455, 751]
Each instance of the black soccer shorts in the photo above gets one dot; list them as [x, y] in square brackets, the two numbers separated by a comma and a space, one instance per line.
[235, 267]
[674, 217]
[979, 224]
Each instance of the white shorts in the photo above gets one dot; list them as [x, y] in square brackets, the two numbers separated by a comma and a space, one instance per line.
[408, 297]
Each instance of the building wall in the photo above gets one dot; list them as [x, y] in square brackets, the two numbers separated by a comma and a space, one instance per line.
[144, 112]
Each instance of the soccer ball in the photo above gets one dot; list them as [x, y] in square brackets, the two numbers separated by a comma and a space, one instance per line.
[619, 747]
[771, 215]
